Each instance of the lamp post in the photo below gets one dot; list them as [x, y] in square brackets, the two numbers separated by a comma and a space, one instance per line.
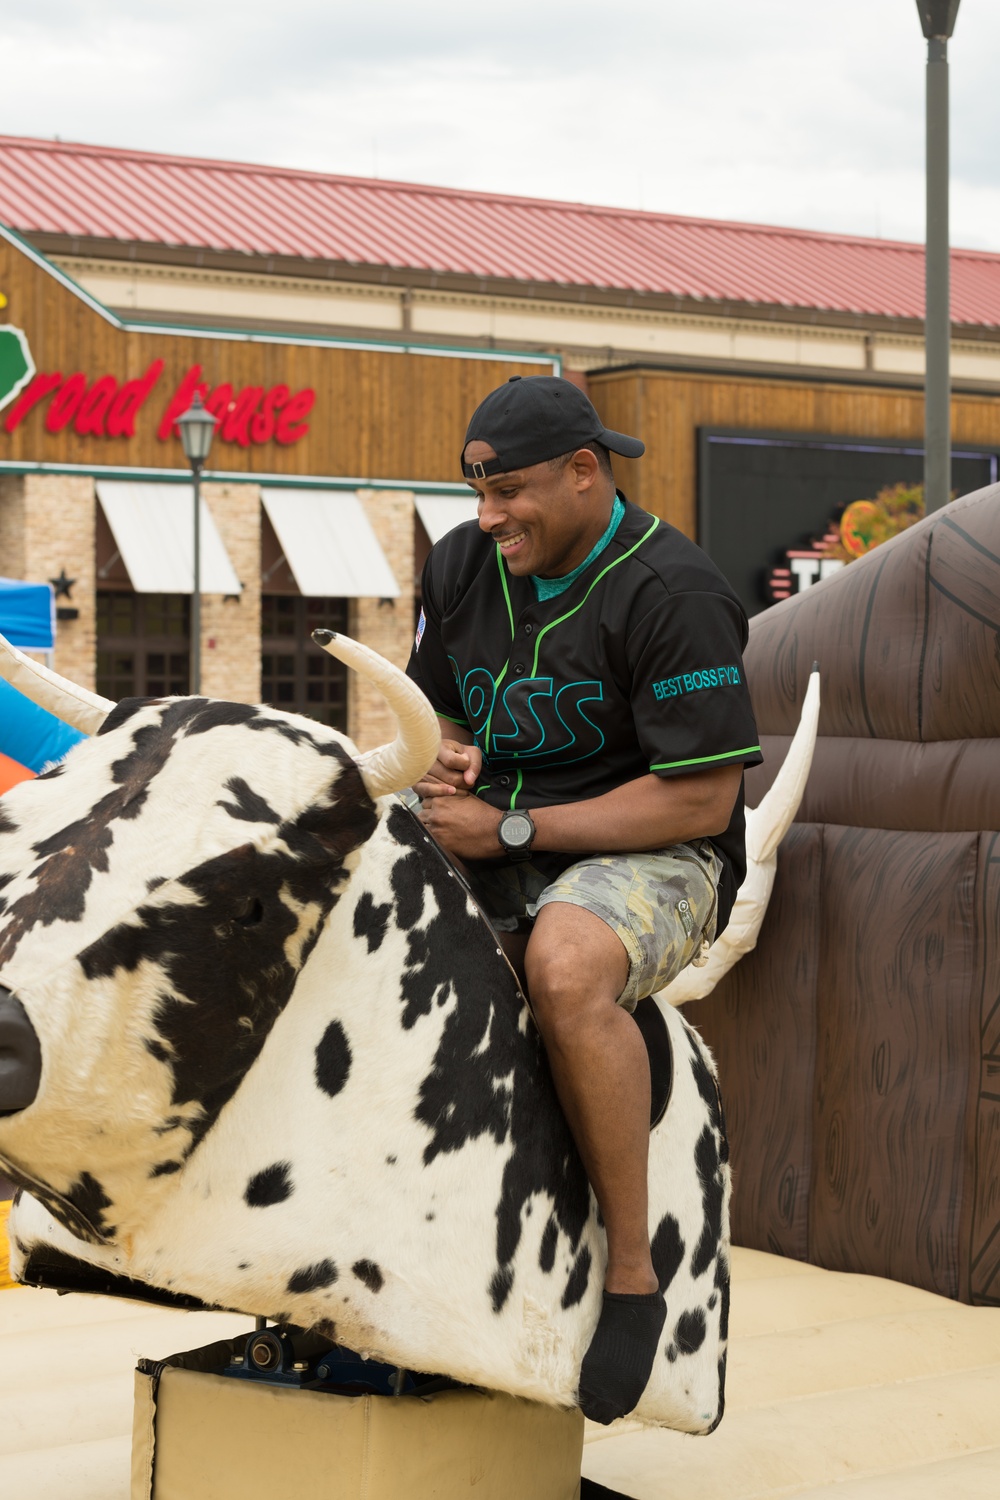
[197, 430]
[937, 20]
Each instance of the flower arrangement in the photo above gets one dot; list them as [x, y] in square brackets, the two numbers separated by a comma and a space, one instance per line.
[865, 524]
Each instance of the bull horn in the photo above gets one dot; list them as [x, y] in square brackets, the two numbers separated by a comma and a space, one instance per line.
[770, 820]
[74, 705]
[767, 825]
[406, 758]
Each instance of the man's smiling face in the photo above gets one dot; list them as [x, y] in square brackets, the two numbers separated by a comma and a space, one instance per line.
[545, 519]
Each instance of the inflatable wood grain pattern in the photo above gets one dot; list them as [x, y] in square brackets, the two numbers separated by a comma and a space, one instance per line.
[859, 1045]
[761, 1024]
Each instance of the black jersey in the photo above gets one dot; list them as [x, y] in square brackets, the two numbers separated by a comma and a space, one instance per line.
[636, 667]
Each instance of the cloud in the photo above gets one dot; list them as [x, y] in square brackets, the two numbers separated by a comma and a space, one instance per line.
[776, 111]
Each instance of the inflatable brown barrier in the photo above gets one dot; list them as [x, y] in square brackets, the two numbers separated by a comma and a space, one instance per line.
[859, 1044]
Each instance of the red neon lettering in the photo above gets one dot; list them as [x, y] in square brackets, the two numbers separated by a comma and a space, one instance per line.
[220, 402]
[299, 406]
[236, 427]
[182, 398]
[262, 422]
[94, 407]
[65, 402]
[255, 415]
[130, 399]
[40, 387]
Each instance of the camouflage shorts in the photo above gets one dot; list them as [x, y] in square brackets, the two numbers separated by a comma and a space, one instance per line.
[662, 904]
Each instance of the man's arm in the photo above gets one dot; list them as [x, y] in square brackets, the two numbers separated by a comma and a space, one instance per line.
[648, 813]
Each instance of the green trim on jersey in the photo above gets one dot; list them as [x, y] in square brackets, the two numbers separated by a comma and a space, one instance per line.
[513, 795]
[571, 612]
[496, 688]
[702, 760]
[506, 592]
[462, 723]
[497, 680]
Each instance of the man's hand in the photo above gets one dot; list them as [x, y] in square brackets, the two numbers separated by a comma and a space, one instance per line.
[464, 827]
[456, 770]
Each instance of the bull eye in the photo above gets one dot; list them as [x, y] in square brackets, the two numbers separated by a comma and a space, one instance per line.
[252, 913]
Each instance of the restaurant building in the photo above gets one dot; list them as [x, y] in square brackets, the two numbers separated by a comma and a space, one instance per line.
[342, 330]
[332, 470]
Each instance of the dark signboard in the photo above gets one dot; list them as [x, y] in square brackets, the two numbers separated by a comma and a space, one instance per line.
[767, 501]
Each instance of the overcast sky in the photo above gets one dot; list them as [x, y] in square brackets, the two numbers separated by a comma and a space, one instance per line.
[801, 112]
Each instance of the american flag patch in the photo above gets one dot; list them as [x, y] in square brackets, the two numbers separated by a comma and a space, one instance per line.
[420, 631]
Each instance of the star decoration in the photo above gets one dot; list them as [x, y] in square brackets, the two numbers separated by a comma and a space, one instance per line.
[62, 585]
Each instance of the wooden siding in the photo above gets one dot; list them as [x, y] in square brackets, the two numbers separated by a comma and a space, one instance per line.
[378, 414]
[666, 409]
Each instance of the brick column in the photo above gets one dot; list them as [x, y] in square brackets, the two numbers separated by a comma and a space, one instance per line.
[230, 628]
[47, 526]
[386, 627]
[11, 525]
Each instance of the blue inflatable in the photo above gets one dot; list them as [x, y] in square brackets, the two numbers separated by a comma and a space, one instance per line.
[30, 737]
[27, 615]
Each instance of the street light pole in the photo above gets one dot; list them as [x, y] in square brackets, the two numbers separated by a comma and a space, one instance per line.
[937, 20]
[196, 581]
[197, 427]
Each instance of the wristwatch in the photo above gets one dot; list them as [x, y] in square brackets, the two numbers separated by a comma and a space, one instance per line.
[516, 831]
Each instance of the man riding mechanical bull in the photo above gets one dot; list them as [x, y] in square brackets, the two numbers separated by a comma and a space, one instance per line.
[260, 1048]
[585, 660]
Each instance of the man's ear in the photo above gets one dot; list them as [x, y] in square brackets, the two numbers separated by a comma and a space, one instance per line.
[585, 469]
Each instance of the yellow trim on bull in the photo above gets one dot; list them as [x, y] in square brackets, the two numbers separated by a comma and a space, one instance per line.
[5, 1277]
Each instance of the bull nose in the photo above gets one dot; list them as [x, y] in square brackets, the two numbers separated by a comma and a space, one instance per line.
[20, 1056]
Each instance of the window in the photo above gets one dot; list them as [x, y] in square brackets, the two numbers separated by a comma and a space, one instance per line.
[143, 644]
[296, 674]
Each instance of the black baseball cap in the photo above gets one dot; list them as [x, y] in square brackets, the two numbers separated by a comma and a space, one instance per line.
[536, 417]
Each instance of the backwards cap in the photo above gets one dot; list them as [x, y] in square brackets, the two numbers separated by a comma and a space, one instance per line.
[534, 418]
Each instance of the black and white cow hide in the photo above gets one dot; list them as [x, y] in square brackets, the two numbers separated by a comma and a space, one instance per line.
[285, 1070]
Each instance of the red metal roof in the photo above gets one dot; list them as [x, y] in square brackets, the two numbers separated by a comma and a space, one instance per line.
[108, 193]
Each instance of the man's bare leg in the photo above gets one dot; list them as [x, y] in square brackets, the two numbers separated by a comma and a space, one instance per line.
[576, 969]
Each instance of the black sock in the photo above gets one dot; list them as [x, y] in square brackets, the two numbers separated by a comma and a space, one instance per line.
[617, 1365]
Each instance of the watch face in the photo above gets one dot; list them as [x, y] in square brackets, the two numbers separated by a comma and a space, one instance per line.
[516, 830]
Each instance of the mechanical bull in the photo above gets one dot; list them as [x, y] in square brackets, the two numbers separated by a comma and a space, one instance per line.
[260, 1050]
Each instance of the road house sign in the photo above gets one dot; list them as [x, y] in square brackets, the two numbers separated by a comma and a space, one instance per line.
[106, 407]
[83, 388]
[109, 406]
